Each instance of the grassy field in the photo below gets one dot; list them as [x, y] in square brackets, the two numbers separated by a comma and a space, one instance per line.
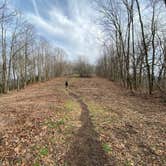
[93, 122]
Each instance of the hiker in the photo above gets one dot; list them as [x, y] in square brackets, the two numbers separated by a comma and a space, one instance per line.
[66, 84]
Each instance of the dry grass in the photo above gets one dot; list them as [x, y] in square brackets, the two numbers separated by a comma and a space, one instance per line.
[133, 128]
[38, 124]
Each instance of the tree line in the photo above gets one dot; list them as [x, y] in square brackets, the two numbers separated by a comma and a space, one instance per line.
[134, 51]
[25, 57]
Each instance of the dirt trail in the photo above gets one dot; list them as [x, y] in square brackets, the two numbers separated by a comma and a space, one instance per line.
[97, 124]
[86, 149]
[131, 127]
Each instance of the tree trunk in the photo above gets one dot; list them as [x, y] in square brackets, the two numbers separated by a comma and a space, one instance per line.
[145, 49]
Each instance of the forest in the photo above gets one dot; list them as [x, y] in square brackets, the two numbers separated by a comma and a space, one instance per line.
[82, 83]
[135, 51]
[25, 56]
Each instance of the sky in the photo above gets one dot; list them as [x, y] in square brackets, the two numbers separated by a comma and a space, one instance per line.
[68, 24]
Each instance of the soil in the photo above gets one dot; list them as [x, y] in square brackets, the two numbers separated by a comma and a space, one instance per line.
[86, 148]
[93, 122]
[133, 127]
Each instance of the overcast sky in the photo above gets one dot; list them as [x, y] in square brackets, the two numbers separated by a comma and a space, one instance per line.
[69, 24]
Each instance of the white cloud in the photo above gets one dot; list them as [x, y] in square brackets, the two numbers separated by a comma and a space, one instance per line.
[77, 33]
[35, 7]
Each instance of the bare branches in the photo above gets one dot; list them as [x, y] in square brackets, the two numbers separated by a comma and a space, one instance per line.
[25, 57]
[135, 55]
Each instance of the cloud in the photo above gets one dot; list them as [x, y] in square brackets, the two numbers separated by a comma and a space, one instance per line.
[71, 27]
[35, 8]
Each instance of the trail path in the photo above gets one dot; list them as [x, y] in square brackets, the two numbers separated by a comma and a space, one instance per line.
[86, 149]
[131, 128]
[95, 123]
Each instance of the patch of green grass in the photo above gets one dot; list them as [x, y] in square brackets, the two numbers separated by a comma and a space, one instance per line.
[128, 163]
[36, 164]
[107, 148]
[18, 161]
[97, 113]
[55, 124]
[60, 122]
[51, 124]
[43, 151]
[65, 164]
[101, 115]
[69, 105]
[95, 108]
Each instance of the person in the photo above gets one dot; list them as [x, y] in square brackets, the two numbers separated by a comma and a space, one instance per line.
[66, 84]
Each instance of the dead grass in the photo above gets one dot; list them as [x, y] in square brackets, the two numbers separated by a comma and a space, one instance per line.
[38, 124]
[133, 128]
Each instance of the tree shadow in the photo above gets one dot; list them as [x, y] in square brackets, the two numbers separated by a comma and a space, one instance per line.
[86, 149]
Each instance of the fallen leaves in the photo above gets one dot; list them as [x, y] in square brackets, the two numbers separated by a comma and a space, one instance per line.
[41, 127]
[38, 124]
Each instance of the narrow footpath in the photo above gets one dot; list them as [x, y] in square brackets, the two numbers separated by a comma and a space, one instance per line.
[86, 148]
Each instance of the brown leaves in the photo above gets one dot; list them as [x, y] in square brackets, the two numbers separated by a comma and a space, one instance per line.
[26, 138]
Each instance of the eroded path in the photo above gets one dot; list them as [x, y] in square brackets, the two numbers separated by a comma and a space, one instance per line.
[86, 149]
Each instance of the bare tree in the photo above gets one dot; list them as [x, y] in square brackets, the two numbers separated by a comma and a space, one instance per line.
[83, 68]
[135, 45]
[25, 57]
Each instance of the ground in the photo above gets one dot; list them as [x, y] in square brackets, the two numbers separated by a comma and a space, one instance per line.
[92, 123]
